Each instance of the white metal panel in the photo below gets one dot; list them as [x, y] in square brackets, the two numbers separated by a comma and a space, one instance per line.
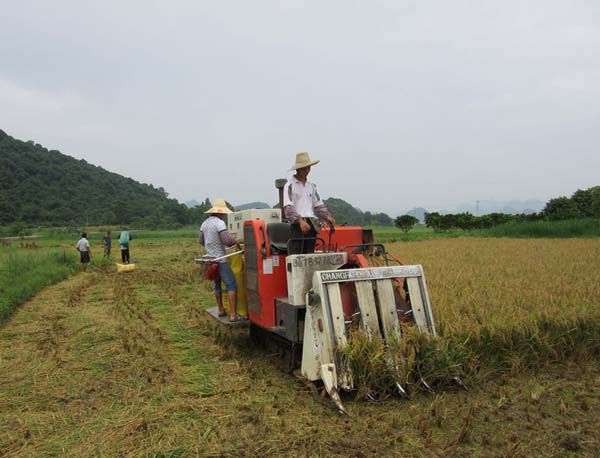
[333, 303]
[416, 301]
[371, 273]
[388, 314]
[235, 220]
[367, 307]
[337, 315]
[315, 349]
[300, 270]
[427, 305]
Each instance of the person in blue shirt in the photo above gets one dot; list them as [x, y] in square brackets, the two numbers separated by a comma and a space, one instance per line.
[124, 239]
[107, 239]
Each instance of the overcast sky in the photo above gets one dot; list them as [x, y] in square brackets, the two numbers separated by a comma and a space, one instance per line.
[406, 103]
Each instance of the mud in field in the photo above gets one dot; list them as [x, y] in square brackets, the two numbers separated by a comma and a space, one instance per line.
[108, 364]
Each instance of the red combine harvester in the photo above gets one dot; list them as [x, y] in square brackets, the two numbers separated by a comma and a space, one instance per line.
[302, 304]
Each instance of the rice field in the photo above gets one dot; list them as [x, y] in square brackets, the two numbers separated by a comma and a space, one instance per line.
[105, 364]
[534, 300]
[501, 306]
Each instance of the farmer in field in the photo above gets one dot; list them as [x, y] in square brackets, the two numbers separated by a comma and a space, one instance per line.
[215, 238]
[107, 239]
[302, 205]
[124, 239]
[85, 252]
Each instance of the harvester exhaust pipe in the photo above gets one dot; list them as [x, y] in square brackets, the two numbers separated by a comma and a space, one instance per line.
[279, 184]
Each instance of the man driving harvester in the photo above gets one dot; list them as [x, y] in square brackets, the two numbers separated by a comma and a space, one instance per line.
[215, 238]
[302, 205]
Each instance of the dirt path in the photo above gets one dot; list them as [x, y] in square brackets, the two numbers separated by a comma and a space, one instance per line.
[127, 365]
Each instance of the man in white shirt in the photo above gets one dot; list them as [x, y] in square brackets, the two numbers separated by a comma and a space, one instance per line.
[302, 205]
[85, 252]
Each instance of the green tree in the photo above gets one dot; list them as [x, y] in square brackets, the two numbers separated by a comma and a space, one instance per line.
[406, 222]
[433, 220]
[562, 208]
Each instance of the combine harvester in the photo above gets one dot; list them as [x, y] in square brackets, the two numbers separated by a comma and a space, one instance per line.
[302, 305]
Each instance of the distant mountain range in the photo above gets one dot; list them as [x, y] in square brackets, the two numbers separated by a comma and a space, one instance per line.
[191, 203]
[511, 207]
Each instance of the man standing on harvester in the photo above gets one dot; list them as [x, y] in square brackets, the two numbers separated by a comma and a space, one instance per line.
[215, 238]
[302, 205]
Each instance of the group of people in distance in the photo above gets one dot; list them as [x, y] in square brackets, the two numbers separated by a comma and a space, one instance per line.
[85, 250]
[302, 207]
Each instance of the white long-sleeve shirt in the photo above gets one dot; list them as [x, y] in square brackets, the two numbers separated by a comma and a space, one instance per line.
[302, 200]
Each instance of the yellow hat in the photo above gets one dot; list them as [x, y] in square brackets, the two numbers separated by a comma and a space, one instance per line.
[302, 160]
[219, 207]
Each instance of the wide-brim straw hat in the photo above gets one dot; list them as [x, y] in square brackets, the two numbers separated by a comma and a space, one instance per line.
[303, 160]
[219, 207]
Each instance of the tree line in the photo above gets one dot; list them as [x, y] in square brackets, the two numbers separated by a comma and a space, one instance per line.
[584, 203]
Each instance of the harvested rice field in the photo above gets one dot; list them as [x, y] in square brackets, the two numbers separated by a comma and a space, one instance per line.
[107, 364]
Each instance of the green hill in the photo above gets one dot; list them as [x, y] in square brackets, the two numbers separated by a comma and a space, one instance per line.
[45, 187]
[345, 213]
[39, 186]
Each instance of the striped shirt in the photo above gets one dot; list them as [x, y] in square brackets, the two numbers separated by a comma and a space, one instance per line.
[214, 236]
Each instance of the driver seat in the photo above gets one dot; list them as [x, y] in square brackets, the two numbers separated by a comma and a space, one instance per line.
[279, 234]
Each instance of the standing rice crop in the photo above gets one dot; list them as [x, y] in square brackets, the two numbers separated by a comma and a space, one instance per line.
[516, 303]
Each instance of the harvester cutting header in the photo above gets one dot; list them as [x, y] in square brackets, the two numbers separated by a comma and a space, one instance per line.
[307, 281]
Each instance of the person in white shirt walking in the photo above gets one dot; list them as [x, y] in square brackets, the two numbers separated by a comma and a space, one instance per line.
[302, 205]
[85, 251]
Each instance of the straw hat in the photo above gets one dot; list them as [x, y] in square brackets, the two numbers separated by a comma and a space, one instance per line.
[302, 160]
[219, 207]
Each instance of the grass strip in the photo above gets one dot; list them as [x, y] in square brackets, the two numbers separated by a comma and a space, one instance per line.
[24, 274]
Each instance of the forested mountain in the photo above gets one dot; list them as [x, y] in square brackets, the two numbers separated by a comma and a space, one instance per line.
[38, 186]
[43, 187]
[345, 213]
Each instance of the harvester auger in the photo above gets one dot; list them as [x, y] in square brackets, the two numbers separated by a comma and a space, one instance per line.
[303, 304]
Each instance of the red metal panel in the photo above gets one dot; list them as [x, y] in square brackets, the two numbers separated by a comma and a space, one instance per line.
[272, 279]
[271, 269]
[343, 236]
